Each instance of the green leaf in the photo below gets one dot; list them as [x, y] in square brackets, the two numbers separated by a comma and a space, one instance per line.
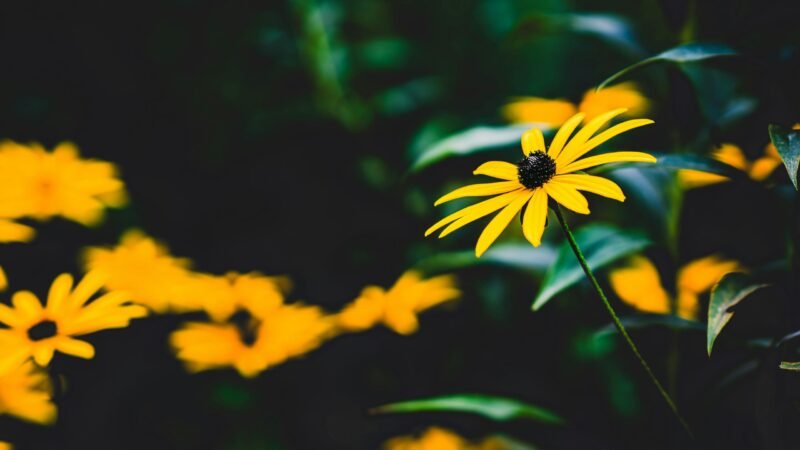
[640, 321]
[473, 140]
[729, 291]
[793, 366]
[518, 256]
[495, 408]
[601, 244]
[788, 144]
[681, 54]
[611, 28]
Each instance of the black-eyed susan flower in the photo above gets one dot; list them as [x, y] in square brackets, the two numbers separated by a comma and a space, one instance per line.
[40, 330]
[40, 184]
[543, 173]
[397, 307]
[26, 393]
[436, 438]
[758, 170]
[555, 112]
[638, 284]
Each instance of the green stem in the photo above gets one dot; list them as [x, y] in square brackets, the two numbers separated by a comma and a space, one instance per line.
[615, 318]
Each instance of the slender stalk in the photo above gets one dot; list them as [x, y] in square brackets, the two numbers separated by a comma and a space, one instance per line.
[615, 318]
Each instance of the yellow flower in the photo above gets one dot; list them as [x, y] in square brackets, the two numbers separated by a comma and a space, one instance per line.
[732, 155]
[15, 232]
[25, 393]
[540, 175]
[143, 267]
[397, 308]
[639, 285]
[41, 184]
[555, 112]
[435, 438]
[221, 296]
[263, 333]
[6, 446]
[38, 331]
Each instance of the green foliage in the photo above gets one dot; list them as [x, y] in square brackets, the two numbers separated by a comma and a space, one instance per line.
[517, 255]
[793, 366]
[641, 321]
[499, 409]
[788, 144]
[681, 54]
[729, 291]
[602, 244]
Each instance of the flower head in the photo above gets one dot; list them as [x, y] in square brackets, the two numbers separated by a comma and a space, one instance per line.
[25, 393]
[39, 330]
[639, 285]
[41, 184]
[542, 174]
[731, 154]
[397, 307]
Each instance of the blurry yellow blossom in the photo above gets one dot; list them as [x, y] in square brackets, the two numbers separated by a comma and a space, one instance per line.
[732, 155]
[15, 232]
[40, 184]
[221, 296]
[25, 393]
[555, 112]
[435, 438]
[6, 446]
[3, 279]
[38, 331]
[639, 284]
[143, 268]
[397, 307]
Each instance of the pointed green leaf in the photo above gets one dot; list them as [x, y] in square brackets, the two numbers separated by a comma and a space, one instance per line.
[640, 321]
[495, 408]
[729, 291]
[601, 244]
[683, 53]
[518, 256]
[788, 144]
[793, 366]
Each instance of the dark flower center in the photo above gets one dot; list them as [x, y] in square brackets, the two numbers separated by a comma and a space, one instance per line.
[536, 170]
[42, 330]
[247, 326]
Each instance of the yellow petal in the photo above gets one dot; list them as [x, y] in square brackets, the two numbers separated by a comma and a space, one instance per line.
[763, 167]
[75, 347]
[567, 196]
[731, 155]
[479, 190]
[603, 137]
[59, 291]
[563, 134]
[701, 274]
[688, 305]
[15, 232]
[535, 217]
[532, 141]
[475, 212]
[43, 354]
[498, 169]
[593, 184]
[690, 179]
[623, 95]
[27, 305]
[639, 285]
[585, 133]
[539, 110]
[3, 279]
[500, 222]
[87, 287]
[605, 158]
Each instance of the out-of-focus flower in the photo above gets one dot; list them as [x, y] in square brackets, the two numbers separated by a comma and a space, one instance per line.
[397, 307]
[6, 446]
[639, 285]
[143, 268]
[435, 438]
[3, 279]
[222, 296]
[543, 173]
[38, 331]
[555, 112]
[11, 231]
[26, 393]
[40, 184]
[732, 155]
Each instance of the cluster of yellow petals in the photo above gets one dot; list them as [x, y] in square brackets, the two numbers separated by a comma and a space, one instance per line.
[732, 155]
[555, 112]
[435, 438]
[38, 184]
[26, 393]
[639, 285]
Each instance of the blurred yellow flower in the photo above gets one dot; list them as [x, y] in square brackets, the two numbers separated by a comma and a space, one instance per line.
[594, 103]
[732, 155]
[263, 332]
[38, 331]
[41, 184]
[639, 285]
[435, 438]
[25, 393]
[6, 446]
[397, 307]
[11, 231]
[543, 173]
[3, 279]
[143, 268]
[222, 296]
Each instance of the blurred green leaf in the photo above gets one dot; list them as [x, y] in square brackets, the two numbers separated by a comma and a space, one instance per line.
[602, 244]
[697, 162]
[473, 140]
[788, 144]
[611, 28]
[683, 53]
[229, 396]
[793, 366]
[519, 256]
[729, 291]
[640, 321]
[495, 408]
